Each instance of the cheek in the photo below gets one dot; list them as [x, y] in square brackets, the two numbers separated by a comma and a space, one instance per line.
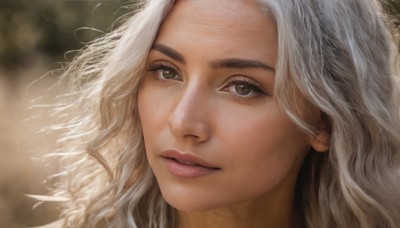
[260, 133]
[151, 108]
[262, 150]
[149, 114]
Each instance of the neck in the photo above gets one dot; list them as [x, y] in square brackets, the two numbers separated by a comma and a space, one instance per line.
[262, 212]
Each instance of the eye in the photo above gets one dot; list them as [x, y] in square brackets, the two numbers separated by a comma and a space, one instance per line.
[244, 88]
[168, 73]
[165, 72]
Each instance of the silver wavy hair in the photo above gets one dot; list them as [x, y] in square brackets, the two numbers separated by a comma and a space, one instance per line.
[337, 54]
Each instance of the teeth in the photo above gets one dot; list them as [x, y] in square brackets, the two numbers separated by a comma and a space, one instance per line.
[187, 162]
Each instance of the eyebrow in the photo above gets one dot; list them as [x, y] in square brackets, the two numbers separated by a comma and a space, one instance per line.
[240, 64]
[217, 64]
[169, 52]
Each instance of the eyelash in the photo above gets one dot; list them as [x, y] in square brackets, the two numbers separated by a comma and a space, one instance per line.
[255, 89]
[162, 67]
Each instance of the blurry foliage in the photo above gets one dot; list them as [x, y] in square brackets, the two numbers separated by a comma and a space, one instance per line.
[394, 10]
[33, 28]
[395, 6]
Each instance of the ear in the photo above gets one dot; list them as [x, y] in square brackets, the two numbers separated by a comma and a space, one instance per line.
[321, 141]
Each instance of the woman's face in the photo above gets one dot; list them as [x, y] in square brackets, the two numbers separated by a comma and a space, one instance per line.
[213, 131]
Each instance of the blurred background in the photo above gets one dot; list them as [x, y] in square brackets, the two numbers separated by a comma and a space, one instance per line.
[35, 36]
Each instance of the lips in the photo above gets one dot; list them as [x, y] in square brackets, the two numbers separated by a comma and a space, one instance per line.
[187, 159]
[186, 162]
[186, 165]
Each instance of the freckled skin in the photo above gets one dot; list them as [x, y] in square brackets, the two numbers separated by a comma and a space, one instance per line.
[258, 149]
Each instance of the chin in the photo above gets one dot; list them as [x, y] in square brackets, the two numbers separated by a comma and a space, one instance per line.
[189, 204]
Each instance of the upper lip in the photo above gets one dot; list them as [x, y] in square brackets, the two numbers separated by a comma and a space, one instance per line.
[186, 158]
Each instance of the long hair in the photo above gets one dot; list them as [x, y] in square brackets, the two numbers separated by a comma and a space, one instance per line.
[338, 55]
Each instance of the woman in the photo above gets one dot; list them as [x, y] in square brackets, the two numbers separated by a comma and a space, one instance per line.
[235, 114]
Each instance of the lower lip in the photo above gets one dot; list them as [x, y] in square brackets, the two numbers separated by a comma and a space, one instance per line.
[187, 171]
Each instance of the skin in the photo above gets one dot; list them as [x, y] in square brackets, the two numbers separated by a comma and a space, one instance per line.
[224, 114]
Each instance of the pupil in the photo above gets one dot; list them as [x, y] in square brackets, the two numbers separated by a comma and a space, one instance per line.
[168, 74]
[242, 89]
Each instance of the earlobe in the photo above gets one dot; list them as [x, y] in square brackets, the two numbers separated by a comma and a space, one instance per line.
[321, 141]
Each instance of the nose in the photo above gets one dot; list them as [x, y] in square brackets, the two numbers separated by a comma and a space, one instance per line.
[189, 120]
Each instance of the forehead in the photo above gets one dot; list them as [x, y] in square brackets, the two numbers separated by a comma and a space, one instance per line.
[226, 24]
[216, 11]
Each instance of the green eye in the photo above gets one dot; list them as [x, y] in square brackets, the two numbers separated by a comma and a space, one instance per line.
[164, 72]
[243, 90]
[168, 74]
